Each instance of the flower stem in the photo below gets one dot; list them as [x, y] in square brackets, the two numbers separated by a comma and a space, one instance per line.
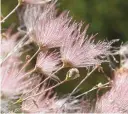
[29, 61]
[45, 90]
[83, 81]
[94, 88]
[44, 80]
[29, 72]
[3, 20]
[38, 85]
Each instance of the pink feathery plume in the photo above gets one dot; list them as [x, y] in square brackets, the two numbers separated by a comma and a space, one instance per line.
[123, 55]
[32, 13]
[80, 50]
[115, 100]
[7, 45]
[51, 30]
[12, 85]
[8, 41]
[47, 28]
[48, 62]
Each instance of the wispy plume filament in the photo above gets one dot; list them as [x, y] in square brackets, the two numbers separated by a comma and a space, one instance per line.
[15, 48]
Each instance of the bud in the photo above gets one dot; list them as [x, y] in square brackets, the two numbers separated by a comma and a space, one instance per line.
[72, 74]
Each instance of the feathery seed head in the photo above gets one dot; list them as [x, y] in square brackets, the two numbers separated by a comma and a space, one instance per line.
[31, 16]
[51, 30]
[115, 100]
[10, 83]
[48, 62]
[8, 42]
[124, 55]
[78, 50]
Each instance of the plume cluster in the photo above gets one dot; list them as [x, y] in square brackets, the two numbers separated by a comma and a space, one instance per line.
[115, 100]
[62, 42]
[51, 30]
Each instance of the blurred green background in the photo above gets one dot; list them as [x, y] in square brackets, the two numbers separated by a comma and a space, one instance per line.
[108, 18]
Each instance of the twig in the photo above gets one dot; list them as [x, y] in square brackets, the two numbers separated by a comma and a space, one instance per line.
[19, 3]
[29, 72]
[45, 90]
[94, 88]
[59, 69]
[44, 80]
[29, 61]
[82, 81]
[79, 85]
